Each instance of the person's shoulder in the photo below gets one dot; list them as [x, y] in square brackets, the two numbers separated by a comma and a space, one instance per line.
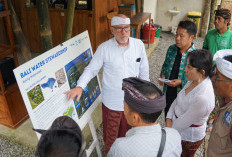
[212, 32]
[208, 87]
[172, 131]
[136, 41]
[193, 47]
[173, 136]
[229, 31]
[173, 143]
[106, 44]
[119, 144]
[172, 48]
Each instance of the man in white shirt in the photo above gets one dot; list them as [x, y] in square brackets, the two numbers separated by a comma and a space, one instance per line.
[143, 104]
[121, 57]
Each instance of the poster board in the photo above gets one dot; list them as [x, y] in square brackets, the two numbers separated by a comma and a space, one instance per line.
[43, 80]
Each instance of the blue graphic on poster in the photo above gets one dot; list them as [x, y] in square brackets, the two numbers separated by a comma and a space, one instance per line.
[49, 84]
[73, 70]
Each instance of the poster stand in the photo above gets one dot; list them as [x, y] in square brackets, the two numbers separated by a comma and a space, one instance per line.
[95, 143]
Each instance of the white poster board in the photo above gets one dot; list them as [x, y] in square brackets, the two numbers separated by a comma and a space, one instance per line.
[43, 80]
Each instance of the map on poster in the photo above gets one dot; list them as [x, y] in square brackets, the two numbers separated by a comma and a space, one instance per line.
[43, 80]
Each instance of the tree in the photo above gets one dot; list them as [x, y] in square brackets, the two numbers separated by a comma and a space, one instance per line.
[205, 18]
[20, 38]
[69, 19]
[44, 23]
[214, 5]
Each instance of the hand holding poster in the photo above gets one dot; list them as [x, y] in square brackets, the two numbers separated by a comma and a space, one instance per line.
[43, 80]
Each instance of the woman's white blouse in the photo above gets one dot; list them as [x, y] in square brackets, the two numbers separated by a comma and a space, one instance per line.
[193, 108]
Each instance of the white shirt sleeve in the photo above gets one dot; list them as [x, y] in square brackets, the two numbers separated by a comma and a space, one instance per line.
[171, 112]
[195, 112]
[92, 69]
[144, 66]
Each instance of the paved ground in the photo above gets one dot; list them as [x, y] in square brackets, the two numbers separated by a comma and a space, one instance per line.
[11, 149]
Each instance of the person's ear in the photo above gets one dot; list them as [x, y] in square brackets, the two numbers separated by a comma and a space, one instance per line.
[202, 72]
[227, 21]
[111, 29]
[135, 119]
[192, 37]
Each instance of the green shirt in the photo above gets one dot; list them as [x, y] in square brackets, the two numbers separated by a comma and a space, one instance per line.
[214, 41]
[168, 64]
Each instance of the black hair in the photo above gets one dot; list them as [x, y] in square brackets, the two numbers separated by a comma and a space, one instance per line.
[228, 58]
[225, 13]
[202, 60]
[189, 26]
[149, 91]
[59, 143]
[150, 118]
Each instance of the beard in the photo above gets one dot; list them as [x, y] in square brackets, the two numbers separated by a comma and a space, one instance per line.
[124, 40]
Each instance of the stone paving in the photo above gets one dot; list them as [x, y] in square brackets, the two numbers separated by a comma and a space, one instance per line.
[12, 149]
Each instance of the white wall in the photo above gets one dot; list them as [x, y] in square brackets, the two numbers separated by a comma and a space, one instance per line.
[164, 18]
[151, 6]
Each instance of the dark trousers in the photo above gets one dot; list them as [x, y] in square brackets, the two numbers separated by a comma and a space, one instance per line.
[171, 95]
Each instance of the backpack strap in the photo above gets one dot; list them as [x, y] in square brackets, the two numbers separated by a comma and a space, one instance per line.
[162, 143]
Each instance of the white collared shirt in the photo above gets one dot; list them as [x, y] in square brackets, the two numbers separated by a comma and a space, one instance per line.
[144, 141]
[118, 63]
[193, 108]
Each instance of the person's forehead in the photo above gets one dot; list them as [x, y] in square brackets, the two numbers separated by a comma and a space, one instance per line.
[181, 30]
[219, 74]
[217, 16]
[123, 25]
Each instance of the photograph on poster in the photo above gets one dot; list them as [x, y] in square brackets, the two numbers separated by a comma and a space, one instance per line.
[73, 71]
[60, 77]
[35, 96]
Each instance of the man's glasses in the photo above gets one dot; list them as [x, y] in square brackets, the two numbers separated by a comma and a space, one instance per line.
[215, 76]
[119, 29]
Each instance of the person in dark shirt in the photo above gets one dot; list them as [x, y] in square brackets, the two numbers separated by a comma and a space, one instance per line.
[175, 61]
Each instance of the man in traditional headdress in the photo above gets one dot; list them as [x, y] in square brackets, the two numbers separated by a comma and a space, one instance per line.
[220, 37]
[220, 142]
[120, 57]
[143, 104]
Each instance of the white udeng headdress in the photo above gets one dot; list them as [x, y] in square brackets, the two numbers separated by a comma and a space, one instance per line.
[224, 66]
[116, 20]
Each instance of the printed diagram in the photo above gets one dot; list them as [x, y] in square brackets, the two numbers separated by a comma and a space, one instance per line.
[60, 77]
[35, 96]
[49, 84]
[69, 112]
[73, 70]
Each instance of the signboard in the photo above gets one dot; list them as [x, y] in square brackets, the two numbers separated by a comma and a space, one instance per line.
[43, 80]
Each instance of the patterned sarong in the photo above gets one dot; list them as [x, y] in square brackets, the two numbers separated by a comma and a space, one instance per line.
[114, 126]
[189, 148]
